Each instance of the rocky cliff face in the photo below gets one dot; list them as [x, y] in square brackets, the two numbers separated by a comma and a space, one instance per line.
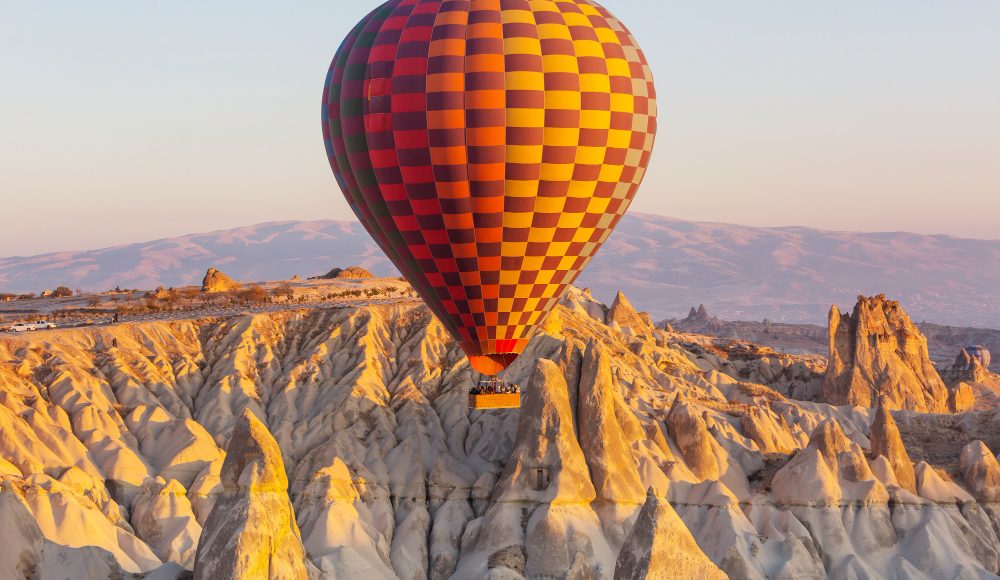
[876, 352]
[216, 281]
[120, 459]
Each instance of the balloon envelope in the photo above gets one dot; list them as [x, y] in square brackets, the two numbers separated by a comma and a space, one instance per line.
[489, 147]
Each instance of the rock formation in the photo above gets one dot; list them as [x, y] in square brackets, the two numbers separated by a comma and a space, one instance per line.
[876, 352]
[660, 547]
[251, 532]
[981, 472]
[624, 315]
[166, 517]
[980, 354]
[769, 430]
[541, 518]
[348, 273]
[971, 383]
[971, 365]
[546, 463]
[216, 281]
[886, 442]
[26, 553]
[830, 470]
[583, 302]
[961, 398]
[700, 321]
[393, 476]
[602, 439]
[690, 432]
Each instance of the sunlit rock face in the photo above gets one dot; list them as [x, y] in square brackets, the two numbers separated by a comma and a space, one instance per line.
[348, 273]
[172, 452]
[217, 281]
[251, 531]
[877, 353]
[624, 315]
[971, 365]
[886, 442]
[971, 383]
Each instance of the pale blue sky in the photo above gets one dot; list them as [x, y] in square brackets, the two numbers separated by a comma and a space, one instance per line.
[132, 120]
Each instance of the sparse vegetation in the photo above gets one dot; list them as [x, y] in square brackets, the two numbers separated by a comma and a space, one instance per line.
[283, 290]
[253, 294]
[171, 298]
[386, 291]
[191, 293]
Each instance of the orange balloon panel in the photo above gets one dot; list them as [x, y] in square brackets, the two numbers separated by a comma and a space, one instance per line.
[490, 147]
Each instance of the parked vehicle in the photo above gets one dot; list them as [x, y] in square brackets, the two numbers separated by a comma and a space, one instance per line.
[29, 326]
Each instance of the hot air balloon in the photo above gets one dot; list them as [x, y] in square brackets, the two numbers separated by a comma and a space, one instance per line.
[489, 147]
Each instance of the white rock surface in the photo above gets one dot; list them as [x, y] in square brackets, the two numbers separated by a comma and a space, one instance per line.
[116, 455]
[660, 547]
[981, 472]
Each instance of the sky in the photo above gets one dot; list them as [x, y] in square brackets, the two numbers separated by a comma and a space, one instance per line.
[135, 120]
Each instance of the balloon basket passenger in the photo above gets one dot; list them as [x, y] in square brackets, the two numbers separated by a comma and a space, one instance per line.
[494, 393]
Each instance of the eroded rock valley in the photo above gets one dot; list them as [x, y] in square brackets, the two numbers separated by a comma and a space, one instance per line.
[338, 443]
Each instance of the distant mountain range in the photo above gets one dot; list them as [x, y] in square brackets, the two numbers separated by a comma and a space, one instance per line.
[664, 265]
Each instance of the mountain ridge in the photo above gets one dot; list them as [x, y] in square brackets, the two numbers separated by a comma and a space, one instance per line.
[787, 273]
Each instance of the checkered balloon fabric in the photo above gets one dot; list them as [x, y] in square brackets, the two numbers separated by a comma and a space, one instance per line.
[489, 147]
